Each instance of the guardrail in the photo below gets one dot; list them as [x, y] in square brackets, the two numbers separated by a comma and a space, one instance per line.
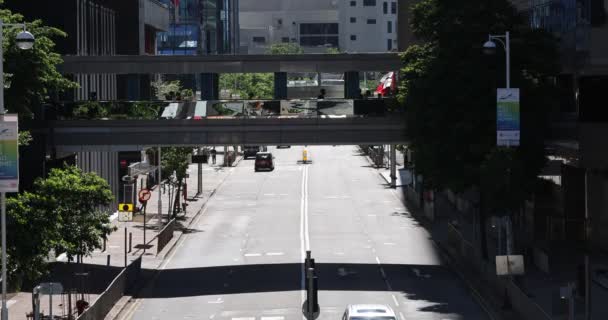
[119, 286]
[165, 235]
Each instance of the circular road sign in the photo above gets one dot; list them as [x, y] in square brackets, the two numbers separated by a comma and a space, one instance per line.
[144, 195]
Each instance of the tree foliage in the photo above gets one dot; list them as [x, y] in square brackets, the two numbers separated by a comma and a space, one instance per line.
[176, 160]
[31, 75]
[449, 89]
[63, 213]
[249, 85]
[285, 48]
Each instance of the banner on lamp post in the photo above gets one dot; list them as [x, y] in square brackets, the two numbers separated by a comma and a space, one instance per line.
[507, 117]
[9, 154]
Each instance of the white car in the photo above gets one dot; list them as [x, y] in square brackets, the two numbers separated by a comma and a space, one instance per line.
[368, 312]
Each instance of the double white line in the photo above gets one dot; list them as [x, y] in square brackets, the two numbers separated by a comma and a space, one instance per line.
[304, 234]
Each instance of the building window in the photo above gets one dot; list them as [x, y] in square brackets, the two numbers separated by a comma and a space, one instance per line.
[319, 34]
[389, 27]
[389, 45]
[369, 3]
[394, 7]
[259, 40]
[385, 7]
[353, 37]
[353, 3]
[285, 39]
[371, 21]
[353, 20]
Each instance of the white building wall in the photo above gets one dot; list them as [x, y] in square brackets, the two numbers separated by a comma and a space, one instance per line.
[278, 20]
[369, 37]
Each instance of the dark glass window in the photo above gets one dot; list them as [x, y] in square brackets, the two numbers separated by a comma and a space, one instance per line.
[389, 44]
[353, 37]
[385, 7]
[389, 27]
[369, 3]
[318, 28]
[315, 41]
[371, 21]
[353, 3]
[394, 7]
[259, 39]
[285, 39]
[353, 20]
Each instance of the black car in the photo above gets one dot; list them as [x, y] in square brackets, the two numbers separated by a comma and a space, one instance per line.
[250, 151]
[264, 161]
[283, 146]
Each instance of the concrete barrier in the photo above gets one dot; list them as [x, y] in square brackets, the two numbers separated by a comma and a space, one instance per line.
[165, 235]
[119, 286]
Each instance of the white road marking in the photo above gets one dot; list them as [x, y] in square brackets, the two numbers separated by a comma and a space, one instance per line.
[275, 253]
[244, 318]
[272, 318]
[212, 316]
[378, 260]
[395, 300]
[304, 237]
[339, 253]
[389, 244]
[217, 301]
[269, 194]
[372, 215]
[283, 194]
[252, 254]
[383, 273]
[401, 316]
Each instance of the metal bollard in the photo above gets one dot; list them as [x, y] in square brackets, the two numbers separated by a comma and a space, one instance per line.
[104, 244]
[130, 241]
[108, 261]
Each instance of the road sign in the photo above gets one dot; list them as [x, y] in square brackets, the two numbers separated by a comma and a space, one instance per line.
[51, 288]
[510, 265]
[125, 216]
[127, 207]
[144, 195]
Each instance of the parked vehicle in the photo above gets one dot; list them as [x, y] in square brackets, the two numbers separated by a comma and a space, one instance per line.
[250, 151]
[264, 161]
[283, 146]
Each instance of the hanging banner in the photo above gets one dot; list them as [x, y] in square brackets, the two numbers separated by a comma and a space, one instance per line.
[9, 154]
[507, 117]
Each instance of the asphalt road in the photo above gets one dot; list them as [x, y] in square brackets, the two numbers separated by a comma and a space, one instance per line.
[243, 258]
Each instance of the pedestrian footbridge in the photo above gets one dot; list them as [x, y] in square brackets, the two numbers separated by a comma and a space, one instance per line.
[125, 135]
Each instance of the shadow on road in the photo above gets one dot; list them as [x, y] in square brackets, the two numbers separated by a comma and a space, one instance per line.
[431, 283]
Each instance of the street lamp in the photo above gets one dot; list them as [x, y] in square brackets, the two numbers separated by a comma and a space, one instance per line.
[24, 41]
[490, 48]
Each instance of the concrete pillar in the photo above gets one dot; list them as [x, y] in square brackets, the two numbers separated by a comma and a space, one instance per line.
[210, 86]
[393, 166]
[351, 85]
[280, 85]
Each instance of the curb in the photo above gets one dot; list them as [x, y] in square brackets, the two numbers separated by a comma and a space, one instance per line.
[168, 249]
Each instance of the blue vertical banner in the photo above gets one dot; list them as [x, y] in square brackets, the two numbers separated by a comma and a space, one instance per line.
[507, 117]
[9, 154]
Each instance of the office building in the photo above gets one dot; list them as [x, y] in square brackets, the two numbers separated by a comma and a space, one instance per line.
[316, 25]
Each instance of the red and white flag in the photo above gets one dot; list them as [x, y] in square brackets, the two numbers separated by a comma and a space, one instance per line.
[387, 85]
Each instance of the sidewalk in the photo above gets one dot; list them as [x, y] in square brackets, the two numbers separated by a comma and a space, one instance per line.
[539, 287]
[213, 177]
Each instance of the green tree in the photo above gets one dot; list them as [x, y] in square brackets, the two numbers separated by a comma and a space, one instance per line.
[33, 231]
[249, 85]
[63, 213]
[176, 160]
[449, 89]
[77, 198]
[167, 90]
[284, 48]
[31, 75]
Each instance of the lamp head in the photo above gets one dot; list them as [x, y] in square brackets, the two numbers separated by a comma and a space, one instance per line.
[25, 40]
[489, 47]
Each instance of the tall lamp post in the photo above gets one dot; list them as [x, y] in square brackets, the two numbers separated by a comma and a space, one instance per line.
[490, 48]
[24, 41]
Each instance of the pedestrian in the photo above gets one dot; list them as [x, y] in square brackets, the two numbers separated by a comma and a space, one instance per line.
[322, 94]
[213, 155]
